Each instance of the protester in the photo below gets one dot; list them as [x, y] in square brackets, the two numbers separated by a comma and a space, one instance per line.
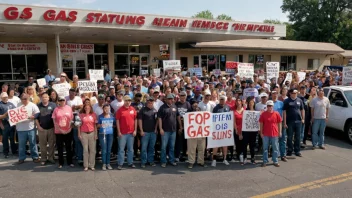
[49, 76]
[181, 144]
[278, 107]
[238, 135]
[249, 137]
[8, 132]
[12, 97]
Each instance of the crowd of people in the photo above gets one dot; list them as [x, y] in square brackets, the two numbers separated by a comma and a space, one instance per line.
[142, 117]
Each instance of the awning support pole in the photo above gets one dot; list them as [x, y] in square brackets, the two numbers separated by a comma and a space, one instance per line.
[172, 48]
[58, 55]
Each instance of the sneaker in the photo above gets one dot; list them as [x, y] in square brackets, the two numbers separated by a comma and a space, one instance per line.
[213, 163]
[119, 167]
[226, 162]
[163, 165]
[233, 160]
[190, 166]
[36, 160]
[264, 165]
[108, 166]
[43, 163]
[174, 164]
[322, 147]
[177, 159]
[253, 161]
[284, 159]
[19, 162]
[298, 154]
[152, 164]
[131, 166]
[313, 148]
[276, 164]
[6, 156]
[142, 165]
[245, 161]
[203, 165]
[104, 167]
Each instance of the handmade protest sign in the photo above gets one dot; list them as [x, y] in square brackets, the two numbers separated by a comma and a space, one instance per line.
[246, 70]
[272, 71]
[62, 89]
[172, 65]
[347, 76]
[197, 124]
[250, 121]
[17, 115]
[96, 74]
[222, 130]
[41, 82]
[250, 92]
[156, 72]
[288, 77]
[87, 86]
[217, 72]
[144, 72]
[231, 66]
[197, 71]
[302, 76]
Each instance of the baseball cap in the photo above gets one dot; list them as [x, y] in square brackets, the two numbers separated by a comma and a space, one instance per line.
[207, 93]
[4, 95]
[263, 95]
[303, 87]
[170, 96]
[157, 89]
[126, 85]
[139, 95]
[101, 96]
[293, 91]
[273, 92]
[222, 97]
[188, 87]
[183, 93]
[121, 92]
[270, 103]
[111, 87]
[150, 98]
[61, 98]
[73, 90]
[223, 78]
[127, 97]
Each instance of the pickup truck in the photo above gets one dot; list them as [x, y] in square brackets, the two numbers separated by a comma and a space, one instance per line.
[340, 113]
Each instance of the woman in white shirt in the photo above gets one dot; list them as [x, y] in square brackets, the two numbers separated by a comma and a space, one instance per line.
[12, 98]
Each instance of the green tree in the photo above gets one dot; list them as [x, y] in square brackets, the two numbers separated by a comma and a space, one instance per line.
[289, 29]
[224, 17]
[321, 20]
[207, 14]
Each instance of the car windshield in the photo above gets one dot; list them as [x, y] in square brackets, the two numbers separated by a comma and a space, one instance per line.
[348, 95]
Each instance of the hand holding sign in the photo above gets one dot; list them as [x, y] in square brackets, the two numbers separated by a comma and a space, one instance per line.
[18, 115]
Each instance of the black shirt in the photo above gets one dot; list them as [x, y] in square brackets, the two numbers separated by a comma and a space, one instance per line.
[293, 110]
[4, 107]
[44, 117]
[137, 106]
[149, 118]
[221, 109]
[183, 108]
[168, 115]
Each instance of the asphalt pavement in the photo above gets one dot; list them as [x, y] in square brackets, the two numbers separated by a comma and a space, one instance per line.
[319, 173]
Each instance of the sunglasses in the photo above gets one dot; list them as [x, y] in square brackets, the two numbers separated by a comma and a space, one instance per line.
[24, 99]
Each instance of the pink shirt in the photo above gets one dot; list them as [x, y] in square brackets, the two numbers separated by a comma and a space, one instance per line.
[88, 122]
[62, 117]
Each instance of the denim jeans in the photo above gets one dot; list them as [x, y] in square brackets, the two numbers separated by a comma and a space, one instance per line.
[168, 139]
[78, 144]
[106, 145]
[8, 134]
[302, 132]
[23, 136]
[274, 142]
[294, 129]
[148, 144]
[318, 130]
[282, 142]
[123, 140]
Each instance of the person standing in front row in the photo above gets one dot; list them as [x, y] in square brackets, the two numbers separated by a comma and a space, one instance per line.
[8, 132]
[87, 133]
[126, 125]
[147, 122]
[167, 117]
[320, 114]
[26, 131]
[270, 131]
[46, 132]
[293, 115]
[106, 123]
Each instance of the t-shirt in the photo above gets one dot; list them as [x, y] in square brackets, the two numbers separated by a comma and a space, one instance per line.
[75, 102]
[183, 108]
[320, 105]
[270, 122]
[63, 117]
[239, 117]
[98, 110]
[260, 106]
[149, 118]
[137, 106]
[231, 104]
[157, 104]
[278, 106]
[206, 107]
[32, 109]
[293, 110]
[88, 122]
[168, 115]
[116, 105]
[15, 100]
[45, 115]
[126, 118]
[4, 107]
[107, 124]
[221, 109]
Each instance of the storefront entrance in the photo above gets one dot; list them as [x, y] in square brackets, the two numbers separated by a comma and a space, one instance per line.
[74, 64]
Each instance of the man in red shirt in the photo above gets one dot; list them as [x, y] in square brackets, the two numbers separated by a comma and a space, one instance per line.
[126, 124]
[270, 131]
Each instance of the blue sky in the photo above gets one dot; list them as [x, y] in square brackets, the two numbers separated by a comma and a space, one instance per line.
[243, 10]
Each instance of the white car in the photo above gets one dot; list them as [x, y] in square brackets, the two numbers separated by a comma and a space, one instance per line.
[340, 113]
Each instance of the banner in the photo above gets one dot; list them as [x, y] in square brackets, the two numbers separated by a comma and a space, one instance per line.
[197, 71]
[156, 72]
[96, 74]
[222, 130]
[197, 124]
[172, 64]
[87, 86]
[144, 72]
[272, 71]
[23, 48]
[17, 115]
[246, 70]
[347, 76]
[231, 66]
[74, 48]
[41, 82]
[62, 89]
[250, 92]
[217, 72]
[302, 76]
[250, 121]
[288, 77]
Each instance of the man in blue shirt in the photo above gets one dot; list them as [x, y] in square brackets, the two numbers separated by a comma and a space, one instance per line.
[278, 106]
[8, 132]
[49, 77]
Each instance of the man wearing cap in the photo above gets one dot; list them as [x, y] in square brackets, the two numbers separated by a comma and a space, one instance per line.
[75, 102]
[270, 130]
[168, 116]
[293, 119]
[278, 107]
[189, 92]
[197, 94]
[304, 97]
[222, 107]
[157, 102]
[126, 124]
[98, 107]
[261, 106]
[112, 93]
[181, 144]
[148, 123]
[128, 91]
[49, 76]
[8, 132]
[118, 103]
[26, 131]
[138, 105]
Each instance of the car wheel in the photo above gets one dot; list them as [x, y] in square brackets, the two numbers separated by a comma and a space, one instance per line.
[348, 132]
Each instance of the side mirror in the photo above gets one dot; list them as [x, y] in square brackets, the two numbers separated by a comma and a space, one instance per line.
[339, 103]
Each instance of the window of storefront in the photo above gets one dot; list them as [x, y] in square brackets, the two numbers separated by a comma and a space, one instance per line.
[288, 63]
[313, 64]
[211, 62]
[195, 61]
[258, 60]
[222, 62]
[239, 58]
[131, 59]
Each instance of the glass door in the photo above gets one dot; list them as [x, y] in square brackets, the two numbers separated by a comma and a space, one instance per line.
[81, 64]
[144, 65]
[134, 65]
[67, 64]
[74, 64]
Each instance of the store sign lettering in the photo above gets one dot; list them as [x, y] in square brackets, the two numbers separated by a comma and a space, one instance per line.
[168, 22]
[253, 27]
[12, 13]
[52, 15]
[115, 18]
[210, 25]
